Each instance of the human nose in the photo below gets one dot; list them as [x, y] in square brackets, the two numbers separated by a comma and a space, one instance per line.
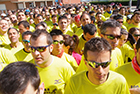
[100, 69]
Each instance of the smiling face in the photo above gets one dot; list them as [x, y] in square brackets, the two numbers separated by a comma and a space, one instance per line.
[13, 36]
[4, 26]
[98, 75]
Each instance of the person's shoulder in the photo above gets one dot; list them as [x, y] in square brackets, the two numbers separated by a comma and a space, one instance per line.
[79, 75]
[116, 76]
[124, 67]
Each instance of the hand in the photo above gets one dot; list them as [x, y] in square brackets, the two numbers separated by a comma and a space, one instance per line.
[134, 90]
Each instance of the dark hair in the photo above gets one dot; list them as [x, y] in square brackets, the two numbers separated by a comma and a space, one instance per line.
[84, 14]
[91, 12]
[26, 33]
[16, 76]
[39, 15]
[90, 28]
[62, 17]
[98, 13]
[39, 32]
[12, 28]
[121, 8]
[68, 8]
[117, 16]
[109, 23]
[56, 32]
[24, 23]
[132, 30]
[138, 44]
[41, 24]
[124, 31]
[54, 16]
[71, 41]
[96, 45]
[92, 18]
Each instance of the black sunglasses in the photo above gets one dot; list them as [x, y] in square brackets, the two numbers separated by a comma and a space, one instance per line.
[39, 48]
[112, 36]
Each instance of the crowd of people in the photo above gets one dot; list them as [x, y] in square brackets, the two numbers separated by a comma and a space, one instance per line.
[70, 49]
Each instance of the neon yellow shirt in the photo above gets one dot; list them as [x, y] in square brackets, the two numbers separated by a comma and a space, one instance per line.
[6, 56]
[79, 32]
[2, 66]
[107, 15]
[131, 76]
[80, 84]
[81, 45]
[127, 52]
[21, 55]
[14, 50]
[4, 40]
[56, 76]
[132, 25]
[116, 61]
[70, 60]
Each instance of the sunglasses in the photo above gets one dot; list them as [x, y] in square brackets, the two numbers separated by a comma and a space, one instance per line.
[120, 21]
[40, 48]
[136, 35]
[56, 42]
[26, 41]
[96, 64]
[109, 36]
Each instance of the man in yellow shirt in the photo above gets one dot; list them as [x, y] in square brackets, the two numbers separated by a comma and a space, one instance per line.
[53, 71]
[110, 30]
[3, 32]
[58, 43]
[15, 45]
[108, 12]
[24, 54]
[131, 71]
[97, 79]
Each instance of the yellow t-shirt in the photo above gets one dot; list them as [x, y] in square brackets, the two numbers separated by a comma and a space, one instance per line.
[81, 45]
[14, 50]
[107, 15]
[6, 56]
[132, 25]
[2, 66]
[70, 60]
[131, 76]
[4, 40]
[127, 52]
[21, 55]
[79, 32]
[80, 84]
[116, 61]
[56, 76]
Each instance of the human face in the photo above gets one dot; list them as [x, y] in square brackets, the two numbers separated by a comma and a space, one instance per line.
[21, 16]
[120, 21]
[85, 20]
[22, 28]
[57, 48]
[69, 19]
[41, 58]
[114, 32]
[13, 18]
[136, 18]
[13, 36]
[136, 37]
[29, 90]
[87, 36]
[63, 24]
[39, 19]
[122, 11]
[4, 25]
[98, 75]
[8, 20]
[122, 40]
[54, 19]
[98, 17]
[26, 45]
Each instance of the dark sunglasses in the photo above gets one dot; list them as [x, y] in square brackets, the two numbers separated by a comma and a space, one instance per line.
[136, 35]
[112, 36]
[56, 41]
[40, 48]
[96, 64]
[26, 41]
[120, 21]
